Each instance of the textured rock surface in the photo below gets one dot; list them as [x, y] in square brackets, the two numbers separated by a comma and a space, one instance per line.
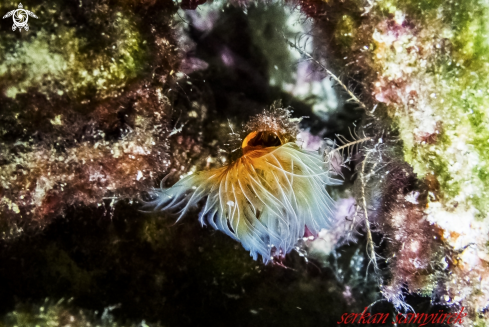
[84, 114]
[422, 70]
[101, 99]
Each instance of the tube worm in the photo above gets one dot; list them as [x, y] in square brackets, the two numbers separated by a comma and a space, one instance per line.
[265, 199]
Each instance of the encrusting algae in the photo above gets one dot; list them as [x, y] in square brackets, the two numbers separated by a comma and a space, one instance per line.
[267, 198]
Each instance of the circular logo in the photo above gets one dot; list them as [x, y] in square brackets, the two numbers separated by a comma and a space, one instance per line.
[20, 18]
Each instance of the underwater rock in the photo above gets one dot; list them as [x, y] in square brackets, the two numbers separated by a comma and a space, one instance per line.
[422, 68]
[77, 127]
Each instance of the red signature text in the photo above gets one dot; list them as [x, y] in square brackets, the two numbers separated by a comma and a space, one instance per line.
[420, 319]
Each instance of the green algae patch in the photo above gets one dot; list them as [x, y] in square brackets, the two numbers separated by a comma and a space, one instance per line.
[57, 59]
[63, 313]
[345, 31]
[61, 265]
[433, 66]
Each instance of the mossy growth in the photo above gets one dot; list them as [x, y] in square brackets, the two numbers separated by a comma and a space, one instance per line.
[62, 313]
[60, 264]
[58, 57]
[345, 31]
[444, 124]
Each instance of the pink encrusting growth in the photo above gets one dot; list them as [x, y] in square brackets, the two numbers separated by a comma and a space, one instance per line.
[265, 199]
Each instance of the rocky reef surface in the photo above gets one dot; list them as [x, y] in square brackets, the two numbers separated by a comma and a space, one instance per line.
[100, 100]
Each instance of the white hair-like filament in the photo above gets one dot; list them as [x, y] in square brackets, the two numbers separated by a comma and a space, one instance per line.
[264, 200]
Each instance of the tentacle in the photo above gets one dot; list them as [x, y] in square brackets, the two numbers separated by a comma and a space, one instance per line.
[265, 200]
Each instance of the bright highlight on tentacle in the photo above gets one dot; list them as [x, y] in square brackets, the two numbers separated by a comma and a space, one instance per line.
[264, 200]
